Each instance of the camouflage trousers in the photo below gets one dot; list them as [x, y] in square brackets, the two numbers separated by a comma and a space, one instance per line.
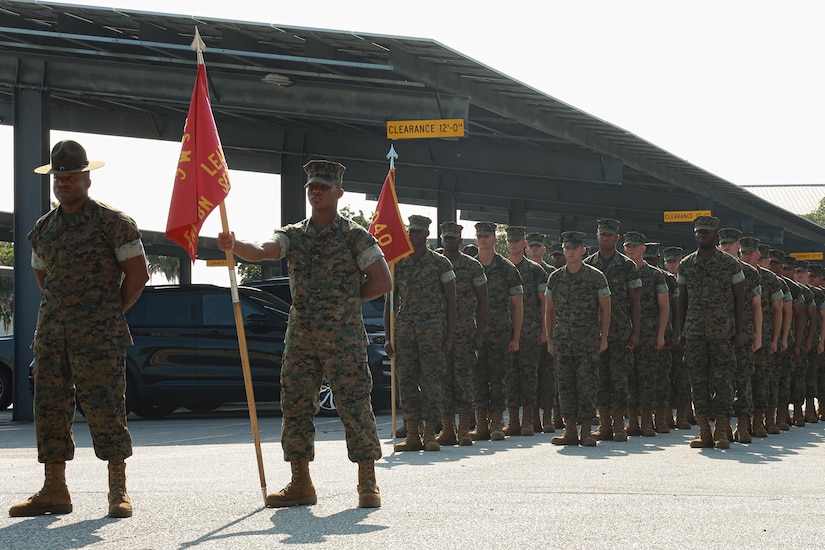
[679, 379]
[99, 378]
[614, 367]
[522, 378]
[577, 377]
[644, 377]
[783, 379]
[812, 373]
[457, 384]
[491, 368]
[420, 366]
[799, 369]
[820, 382]
[761, 380]
[547, 392]
[743, 389]
[711, 365]
[302, 371]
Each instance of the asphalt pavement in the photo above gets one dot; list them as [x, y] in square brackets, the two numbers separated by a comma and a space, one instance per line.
[194, 483]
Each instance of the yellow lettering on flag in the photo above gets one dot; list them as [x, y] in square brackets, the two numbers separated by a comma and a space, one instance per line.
[675, 216]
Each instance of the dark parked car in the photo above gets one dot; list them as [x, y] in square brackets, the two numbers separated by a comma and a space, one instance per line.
[186, 350]
[6, 370]
[372, 311]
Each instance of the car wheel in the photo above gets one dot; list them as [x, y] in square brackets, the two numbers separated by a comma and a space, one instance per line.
[326, 400]
[6, 389]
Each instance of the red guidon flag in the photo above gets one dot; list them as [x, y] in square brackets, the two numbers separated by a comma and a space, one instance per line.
[202, 179]
[386, 225]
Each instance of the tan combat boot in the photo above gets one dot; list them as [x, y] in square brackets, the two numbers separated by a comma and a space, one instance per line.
[413, 440]
[464, 437]
[721, 431]
[527, 422]
[682, 421]
[402, 431]
[705, 437]
[482, 431]
[368, 494]
[633, 427]
[810, 411]
[558, 421]
[299, 491]
[664, 419]
[513, 426]
[497, 425]
[647, 424]
[605, 430]
[798, 416]
[120, 505]
[619, 433]
[586, 438]
[547, 421]
[783, 419]
[742, 433]
[447, 436]
[53, 498]
[570, 437]
[770, 422]
[758, 425]
[430, 444]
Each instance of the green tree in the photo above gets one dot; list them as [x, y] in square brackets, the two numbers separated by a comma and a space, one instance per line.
[818, 215]
[358, 218]
[250, 271]
[6, 286]
[168, 266]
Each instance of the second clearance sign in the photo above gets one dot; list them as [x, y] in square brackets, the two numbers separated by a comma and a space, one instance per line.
[411, 129]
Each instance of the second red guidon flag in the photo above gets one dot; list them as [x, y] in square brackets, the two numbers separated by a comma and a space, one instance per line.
[202, 178]
[386, 225]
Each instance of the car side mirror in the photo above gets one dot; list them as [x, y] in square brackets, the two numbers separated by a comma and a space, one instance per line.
[258, 322]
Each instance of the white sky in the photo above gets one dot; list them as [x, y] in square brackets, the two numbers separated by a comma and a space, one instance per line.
[733, 87]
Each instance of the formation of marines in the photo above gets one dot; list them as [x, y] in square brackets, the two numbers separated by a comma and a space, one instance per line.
[732, 330]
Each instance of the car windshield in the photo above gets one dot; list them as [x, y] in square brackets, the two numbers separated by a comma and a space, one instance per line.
[268, 302]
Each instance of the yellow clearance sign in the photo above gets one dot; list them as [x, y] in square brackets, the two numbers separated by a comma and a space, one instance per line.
[216, 263]
[807, 256]
[675, 216]
[416, 129]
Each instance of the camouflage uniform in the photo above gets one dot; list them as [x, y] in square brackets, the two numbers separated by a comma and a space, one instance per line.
[420, 326]
[649, 364]
[616, 361]
[547, 393]
[709, 328]
[457, 384]
[743, 390]
[326, 335]
[82, 336]
[503, 281]
[522, 379]
[771, 292]
[576, 335]
[799, 376]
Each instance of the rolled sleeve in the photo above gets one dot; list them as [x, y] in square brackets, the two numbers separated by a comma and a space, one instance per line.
[38, 262]
[515, 290]
[130, 250]
[282, 240]
[370, 255]
[738, 277]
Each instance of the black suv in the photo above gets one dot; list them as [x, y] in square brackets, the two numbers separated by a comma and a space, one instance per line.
[186, 350]
[372, 311]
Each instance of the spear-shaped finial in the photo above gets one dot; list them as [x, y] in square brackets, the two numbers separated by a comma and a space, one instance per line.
[198, 45]
[392, 155]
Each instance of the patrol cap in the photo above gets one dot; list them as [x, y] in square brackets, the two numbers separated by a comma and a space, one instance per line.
[634, 238]
[729, 235]
[485, 228]
[419, 223]
[556, 249]
[816, 270]
[515, 232]
[607, 226]
[651, 250]
[801, 265]
[776, 255]
[573, 239]
[324, 171]
[451, 229]
[672, 253]
[764, 251]
[705, 223]
[535, 238]
[749, 244]
[68, 157]
[470, 250]
[789, 262]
